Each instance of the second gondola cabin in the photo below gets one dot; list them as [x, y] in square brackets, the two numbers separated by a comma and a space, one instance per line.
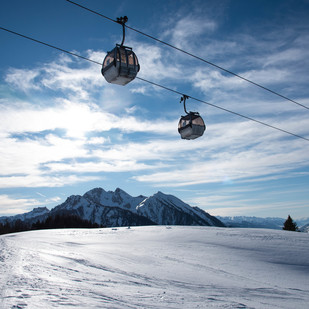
[191, 126]
[120, 65]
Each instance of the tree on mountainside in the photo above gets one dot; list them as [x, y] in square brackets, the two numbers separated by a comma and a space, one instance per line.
[63, 221]
[290, 225]
[51, 222]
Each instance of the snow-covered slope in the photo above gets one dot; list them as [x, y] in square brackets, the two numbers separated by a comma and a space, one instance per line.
[155, 267]
[168, 209]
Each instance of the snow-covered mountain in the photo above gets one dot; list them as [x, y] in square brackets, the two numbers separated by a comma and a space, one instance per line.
[168, 209]
[117, 198]
[302, 222]
[118, 208]
[104, 208]
[39, 213]
[305, 228]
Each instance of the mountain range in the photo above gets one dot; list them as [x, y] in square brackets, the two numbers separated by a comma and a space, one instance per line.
[118, 208]
[256, 222]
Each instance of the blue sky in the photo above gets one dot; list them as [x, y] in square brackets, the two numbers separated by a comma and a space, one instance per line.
[64, 130]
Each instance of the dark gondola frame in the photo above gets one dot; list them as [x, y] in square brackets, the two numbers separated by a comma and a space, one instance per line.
[190, 126]
[120, 65]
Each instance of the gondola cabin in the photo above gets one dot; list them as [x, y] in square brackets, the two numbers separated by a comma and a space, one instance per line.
[120, 65]
[191, 126]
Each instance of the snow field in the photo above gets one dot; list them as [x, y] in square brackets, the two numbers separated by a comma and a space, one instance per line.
[155, 267]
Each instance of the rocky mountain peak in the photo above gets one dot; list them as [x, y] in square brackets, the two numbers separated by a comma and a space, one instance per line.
[119, 196]
[160, 195]
[94, 193]
[40, 210]
[118, 191]
[118, 208]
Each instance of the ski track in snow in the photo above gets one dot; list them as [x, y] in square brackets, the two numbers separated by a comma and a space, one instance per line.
[155, 267]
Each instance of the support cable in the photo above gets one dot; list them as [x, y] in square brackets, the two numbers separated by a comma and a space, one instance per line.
[49, 45]
[196, 57]
[224, 109]
[158, 85]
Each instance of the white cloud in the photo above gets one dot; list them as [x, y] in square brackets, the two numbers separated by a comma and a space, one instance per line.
[98, 140]
[232, 153]
[24, 159]
[9, 206]
[226, 151]
[156, 63]
[44, 180]
[23, 79]
[80, 81]
[141, 90]
[291, 55]
[187, 30]
[98, 128]
[249, 209]
[36, 138]
[65, 74]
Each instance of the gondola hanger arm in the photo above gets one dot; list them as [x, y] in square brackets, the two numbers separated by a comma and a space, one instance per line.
[122, 21]
[183, 99]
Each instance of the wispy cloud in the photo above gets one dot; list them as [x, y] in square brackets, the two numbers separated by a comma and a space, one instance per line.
[248, 208]
[24, 79]
[187, 31]
[58, 138]
[232, 153]
[9, 206]
[62, 124]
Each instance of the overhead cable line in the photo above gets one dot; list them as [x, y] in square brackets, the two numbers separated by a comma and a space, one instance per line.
[224, 109]
[49, 45]
[194, 56]
[158, 85]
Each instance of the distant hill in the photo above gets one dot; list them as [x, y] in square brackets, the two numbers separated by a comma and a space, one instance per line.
[252, 222]
[305, 228]
[118, 208]
[39, 213]
[256, 222]
[302, 223]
